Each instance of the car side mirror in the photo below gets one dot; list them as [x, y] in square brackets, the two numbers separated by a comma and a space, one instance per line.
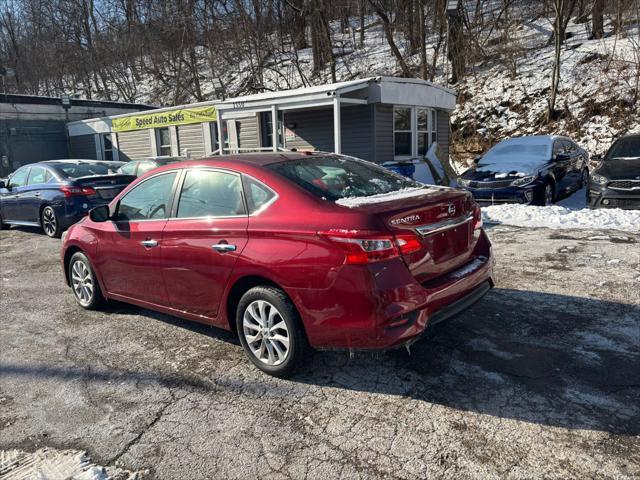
[561, 157]
[477, 159]
[4, 183]
[100, 214]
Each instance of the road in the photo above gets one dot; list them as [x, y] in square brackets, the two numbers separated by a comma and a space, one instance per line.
[540, 379]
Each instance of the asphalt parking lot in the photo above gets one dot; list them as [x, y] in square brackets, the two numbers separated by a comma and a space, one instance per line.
[540, 379]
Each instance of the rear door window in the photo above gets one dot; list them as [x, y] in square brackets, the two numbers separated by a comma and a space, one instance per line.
[150, 200]
[129, 168]
[208, 193]
[144, 167]
[38, 175]
[258, 195]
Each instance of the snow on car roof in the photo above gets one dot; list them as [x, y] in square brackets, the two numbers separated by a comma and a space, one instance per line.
[518, 155]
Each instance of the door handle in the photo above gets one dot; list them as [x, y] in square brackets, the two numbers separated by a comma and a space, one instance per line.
[37, 194]
[149, 243]
[223, 247]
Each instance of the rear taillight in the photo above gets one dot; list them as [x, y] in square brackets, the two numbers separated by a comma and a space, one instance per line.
[408, 243]
[70, 191]
[362, 246]
[477, 217]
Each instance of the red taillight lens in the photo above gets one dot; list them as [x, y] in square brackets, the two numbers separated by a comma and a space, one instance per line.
[408, 243]
[69, 191]
[362, 247]
[477, 217]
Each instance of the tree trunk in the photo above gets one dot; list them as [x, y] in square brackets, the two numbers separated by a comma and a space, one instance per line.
[388, 32]
[597, 19]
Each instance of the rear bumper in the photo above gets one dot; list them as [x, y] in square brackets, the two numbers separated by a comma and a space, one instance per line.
[388, 308]
[72, 209]
[603, 197]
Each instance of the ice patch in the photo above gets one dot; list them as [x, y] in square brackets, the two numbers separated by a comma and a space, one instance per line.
[48, 463]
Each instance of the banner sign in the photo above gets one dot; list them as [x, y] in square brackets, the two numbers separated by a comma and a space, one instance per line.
[182, 116]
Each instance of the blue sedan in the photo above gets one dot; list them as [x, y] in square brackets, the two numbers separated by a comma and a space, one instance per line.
[538, 170]
[57, 193]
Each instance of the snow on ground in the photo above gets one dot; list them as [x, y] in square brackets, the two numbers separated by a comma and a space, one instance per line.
[51, 464]
[569, 213]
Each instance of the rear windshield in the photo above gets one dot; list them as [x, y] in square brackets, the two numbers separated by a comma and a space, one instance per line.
[77, 170]
[333, 177]
[625, 148]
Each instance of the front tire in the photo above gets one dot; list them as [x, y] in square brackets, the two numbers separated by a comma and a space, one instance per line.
[270, 331]
[84, 283]
[3, 226]
[546, 195]
[49, 222]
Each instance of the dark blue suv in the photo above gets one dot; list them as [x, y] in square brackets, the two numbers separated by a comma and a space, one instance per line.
[538, 169]
[57, 193]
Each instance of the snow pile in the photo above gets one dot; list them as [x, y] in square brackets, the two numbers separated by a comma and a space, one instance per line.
[353, 202]
[48, 463]
[560, 217]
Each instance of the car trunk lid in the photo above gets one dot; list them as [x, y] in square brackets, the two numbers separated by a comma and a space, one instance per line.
[442, 220]
[106, 187]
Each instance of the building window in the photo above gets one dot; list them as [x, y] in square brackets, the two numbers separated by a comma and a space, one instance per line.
[107, 147]
[402, 132]
[423, 131]
[163, 137]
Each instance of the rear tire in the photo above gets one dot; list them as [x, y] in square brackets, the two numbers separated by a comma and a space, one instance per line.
[3, 226]
[84, 283]
[49, 222]
[270, 330]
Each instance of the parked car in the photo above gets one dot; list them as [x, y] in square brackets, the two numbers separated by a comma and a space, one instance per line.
[286, 249]
[140, 167]
[615, 183]
[57, 193]
[535, 170]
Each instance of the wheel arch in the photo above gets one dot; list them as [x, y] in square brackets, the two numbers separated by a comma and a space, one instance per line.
[241, 286]
[72, 250]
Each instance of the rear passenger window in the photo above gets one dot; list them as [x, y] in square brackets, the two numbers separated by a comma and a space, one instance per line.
[149, 200]
[128, 168]
[258, 194]
[144, 167]
[207, 193]
[38, 175]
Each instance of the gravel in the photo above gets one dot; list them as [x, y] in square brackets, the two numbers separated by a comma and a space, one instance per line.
[539, 379]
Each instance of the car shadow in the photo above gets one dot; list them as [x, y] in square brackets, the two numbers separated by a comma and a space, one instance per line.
[531, 356]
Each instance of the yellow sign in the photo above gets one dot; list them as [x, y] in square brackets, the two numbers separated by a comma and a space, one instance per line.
[181, 116]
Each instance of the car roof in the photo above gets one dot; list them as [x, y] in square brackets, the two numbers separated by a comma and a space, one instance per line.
[77, 160]
[263, 159]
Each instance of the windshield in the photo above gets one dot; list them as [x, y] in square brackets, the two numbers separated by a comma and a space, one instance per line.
[511, 150]
[628, 147]
[333, 177]
[77, 170]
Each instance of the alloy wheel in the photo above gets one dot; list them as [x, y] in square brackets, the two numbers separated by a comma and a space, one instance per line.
[49, 222]
[266, 332]
[82, 282]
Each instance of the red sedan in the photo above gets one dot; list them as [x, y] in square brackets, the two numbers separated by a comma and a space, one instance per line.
[288, 250]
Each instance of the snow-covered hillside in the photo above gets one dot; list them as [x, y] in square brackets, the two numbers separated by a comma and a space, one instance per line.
[505, 95]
